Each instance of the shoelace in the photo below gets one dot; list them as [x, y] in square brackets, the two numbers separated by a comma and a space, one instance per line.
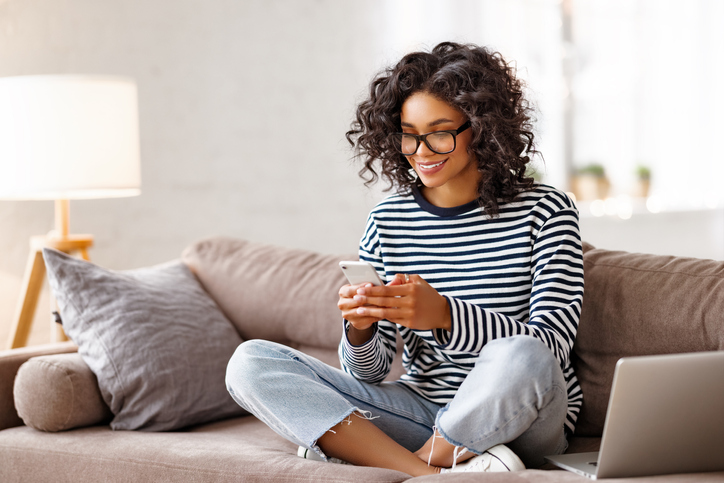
[456, 455]
[484, 462]
[435, 435]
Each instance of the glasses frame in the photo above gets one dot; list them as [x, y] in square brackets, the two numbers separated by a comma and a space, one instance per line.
[422, 138]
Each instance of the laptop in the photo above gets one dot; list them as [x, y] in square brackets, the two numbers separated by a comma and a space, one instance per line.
[665, 415]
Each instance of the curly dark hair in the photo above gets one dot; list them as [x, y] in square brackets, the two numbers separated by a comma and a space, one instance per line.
[477, 82]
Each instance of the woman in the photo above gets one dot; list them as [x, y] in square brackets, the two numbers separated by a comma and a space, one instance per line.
[485, 285]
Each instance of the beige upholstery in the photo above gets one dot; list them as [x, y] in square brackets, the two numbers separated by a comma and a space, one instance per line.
[634, 304]
[10, 362]
[637, 304]
[58, 392]
[280, 294]
[236, 450]
[272, 293]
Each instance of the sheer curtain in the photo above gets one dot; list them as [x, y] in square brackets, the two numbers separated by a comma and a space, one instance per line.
[643, 80]
[648, 90]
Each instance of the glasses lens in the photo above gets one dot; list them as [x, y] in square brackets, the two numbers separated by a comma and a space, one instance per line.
[405, 143]
[441, 142]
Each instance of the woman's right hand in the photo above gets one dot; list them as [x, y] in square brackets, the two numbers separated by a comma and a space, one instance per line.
[348, 306]
[361, 326]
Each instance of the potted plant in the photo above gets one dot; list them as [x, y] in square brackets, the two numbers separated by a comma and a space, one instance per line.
[590, 183]
[643, 181]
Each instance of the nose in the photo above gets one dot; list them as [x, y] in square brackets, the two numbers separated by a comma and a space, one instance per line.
[423, 150]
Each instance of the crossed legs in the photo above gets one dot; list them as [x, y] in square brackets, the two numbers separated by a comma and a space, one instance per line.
[388, 425]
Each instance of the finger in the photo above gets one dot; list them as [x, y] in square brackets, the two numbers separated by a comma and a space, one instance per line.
[397, 315]
[382, 301]
[348, 305]
[384, 291]
[349, 291]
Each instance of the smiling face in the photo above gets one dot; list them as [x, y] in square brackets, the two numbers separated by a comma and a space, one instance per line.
[450, 179]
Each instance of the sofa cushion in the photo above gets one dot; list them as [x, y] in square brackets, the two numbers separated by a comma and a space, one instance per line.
[157, 342]
[270, 292]
[10, 362]
[59, 392]
[234, 450]
[638, 304]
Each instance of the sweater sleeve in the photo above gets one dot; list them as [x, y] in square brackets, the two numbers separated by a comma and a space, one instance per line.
[371, 361]
[556, 297]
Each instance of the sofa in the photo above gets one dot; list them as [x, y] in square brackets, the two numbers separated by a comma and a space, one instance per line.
[56, 418]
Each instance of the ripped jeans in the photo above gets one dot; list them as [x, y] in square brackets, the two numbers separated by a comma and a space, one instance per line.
[515, 395]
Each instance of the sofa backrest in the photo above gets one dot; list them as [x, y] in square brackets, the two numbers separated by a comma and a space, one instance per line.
[270, 292]
[638, 304]
[275, 293]
[634, 304]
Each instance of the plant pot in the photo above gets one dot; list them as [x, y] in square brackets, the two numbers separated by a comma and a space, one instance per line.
[641, 188]
[588, 187]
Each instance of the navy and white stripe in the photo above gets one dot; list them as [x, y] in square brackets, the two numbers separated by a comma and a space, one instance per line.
[520, 273]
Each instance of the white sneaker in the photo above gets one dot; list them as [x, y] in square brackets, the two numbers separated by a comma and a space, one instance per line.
[497, 458]
[308, 454]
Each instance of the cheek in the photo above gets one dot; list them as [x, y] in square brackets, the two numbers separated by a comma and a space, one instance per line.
[464, 162]
[463, 144]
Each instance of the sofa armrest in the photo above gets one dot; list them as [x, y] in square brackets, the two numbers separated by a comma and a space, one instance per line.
[10, 362]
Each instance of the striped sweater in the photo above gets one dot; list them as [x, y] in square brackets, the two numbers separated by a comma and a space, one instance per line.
[520, 273]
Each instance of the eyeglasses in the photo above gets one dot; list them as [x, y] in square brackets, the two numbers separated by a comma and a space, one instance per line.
[439, 142]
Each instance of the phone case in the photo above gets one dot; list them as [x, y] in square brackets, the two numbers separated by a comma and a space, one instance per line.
[360, 272]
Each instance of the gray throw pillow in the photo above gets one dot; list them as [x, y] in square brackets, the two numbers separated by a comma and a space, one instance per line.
[153, 337]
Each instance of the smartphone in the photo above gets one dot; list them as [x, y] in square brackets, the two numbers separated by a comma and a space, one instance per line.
[360, 272]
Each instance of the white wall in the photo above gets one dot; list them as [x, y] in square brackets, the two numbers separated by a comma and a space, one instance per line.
[692, 232]
[648, 91]
[243, 109]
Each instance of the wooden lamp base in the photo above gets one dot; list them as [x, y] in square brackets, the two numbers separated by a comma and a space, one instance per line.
[35, 275]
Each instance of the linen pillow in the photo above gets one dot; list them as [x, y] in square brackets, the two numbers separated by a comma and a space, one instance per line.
[156, 341]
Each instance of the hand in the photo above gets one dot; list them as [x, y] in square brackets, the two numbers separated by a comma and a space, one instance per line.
[348, 306]
[408, 301]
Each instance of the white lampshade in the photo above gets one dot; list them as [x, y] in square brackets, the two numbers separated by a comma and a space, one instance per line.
[69, 137]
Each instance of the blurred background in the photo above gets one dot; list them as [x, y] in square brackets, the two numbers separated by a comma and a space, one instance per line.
[243, 107]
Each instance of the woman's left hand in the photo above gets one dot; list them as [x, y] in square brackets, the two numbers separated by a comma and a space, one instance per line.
[408, 301]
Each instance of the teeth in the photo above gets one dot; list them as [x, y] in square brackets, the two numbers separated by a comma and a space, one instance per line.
[431, 166]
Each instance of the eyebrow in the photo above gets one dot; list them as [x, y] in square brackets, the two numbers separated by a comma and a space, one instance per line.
[434, 123]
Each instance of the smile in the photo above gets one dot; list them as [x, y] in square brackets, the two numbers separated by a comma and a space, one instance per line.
[432, 166]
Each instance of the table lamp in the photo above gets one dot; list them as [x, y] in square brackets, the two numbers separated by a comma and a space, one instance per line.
[64, 137]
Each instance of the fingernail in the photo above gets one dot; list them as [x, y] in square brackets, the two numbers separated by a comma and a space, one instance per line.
[360, 311]
[360, 291]
[358, 298]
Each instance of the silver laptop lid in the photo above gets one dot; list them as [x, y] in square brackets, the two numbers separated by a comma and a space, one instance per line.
[665, 415]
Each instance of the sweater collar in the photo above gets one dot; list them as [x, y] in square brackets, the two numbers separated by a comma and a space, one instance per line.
[438, 211]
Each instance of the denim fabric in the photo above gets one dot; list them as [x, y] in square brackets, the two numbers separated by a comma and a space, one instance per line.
[516, 395]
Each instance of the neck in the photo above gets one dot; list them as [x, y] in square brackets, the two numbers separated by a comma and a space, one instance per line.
[447, 197]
